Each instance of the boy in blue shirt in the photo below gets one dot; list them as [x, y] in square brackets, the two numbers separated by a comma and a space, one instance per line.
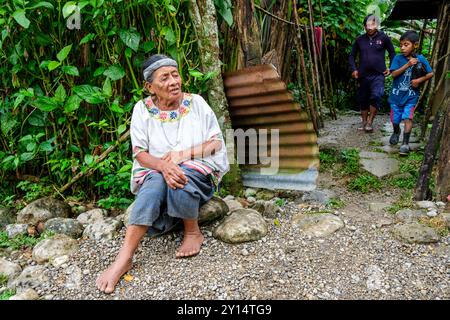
[409, 70]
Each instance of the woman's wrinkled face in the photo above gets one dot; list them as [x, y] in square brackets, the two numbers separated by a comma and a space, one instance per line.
[166, 84]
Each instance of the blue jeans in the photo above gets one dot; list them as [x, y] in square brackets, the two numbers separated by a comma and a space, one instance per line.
[162, 208]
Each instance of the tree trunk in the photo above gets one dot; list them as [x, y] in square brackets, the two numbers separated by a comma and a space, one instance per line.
[443, 170]
[422, 189]
[242, 41]
[203, 15]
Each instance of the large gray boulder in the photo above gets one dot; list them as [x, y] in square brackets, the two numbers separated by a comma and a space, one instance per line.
[43, 210]
[92, 216]
[9, 269]
[408, 215]
[319, 196]
[413, 232]
[241, 226]
[69, 227]
[266, 208]
[31, 277]
[317, 225]
[27, 294]
[49, 249]
[103, 229]
[13, 230]
[214, 209]
[7, 216]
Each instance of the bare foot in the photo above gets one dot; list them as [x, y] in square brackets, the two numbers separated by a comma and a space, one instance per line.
[107, 281]
[192, 242]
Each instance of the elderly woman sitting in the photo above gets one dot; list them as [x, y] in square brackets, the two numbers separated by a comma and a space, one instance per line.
[179, 157]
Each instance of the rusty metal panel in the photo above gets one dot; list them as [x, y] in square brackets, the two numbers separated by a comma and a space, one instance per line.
[259, 99]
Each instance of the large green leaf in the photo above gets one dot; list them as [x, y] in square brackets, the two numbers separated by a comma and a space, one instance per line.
[27, 156]
[45, 104]
[115, 72]
[89, 93]
[60, 94]
[107, 90]
[19, 16]
[64, 53]
[87, 38]
[45, 4]
[169, 35]
[70, 70]
[53, 65]
[69, 8]
[72, 104]
[131, 38]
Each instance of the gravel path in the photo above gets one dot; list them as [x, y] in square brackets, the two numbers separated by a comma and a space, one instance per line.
[360, 261]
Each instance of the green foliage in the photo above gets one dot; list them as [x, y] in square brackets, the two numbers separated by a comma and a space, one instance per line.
[409, 167]
[3, 279]
[335, 203]
[350, 158]
[21, 241]
[364, 183]
[280, 202]
[405, 201]
[66, 95]
[5, 295]
[328, 158]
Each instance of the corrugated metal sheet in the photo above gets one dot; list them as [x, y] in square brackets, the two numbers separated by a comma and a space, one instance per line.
[259, 99]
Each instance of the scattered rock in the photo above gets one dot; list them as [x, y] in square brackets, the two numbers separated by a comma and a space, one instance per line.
[446, 217]
[319, 196]
[9, 269]
[214, 209]
[241, 226]
[27, 294]
[7, 216]
[31, 277]
[70, 227]
[102, 230]
[267, 208]
[92, 216]
[426, 204]
[378, 206]
[384, 222]
[406, 215]
[228, 197]
[43, 210]
[13, 230]
[317, 225]
[250, 192]
[380, 167]
[440, 204]
[432, 213]
[413, 232]
[74, 276]
[251, 200]
[375, 278]
[233, 205]
[265, 194]
[59, 261]
[49, 249]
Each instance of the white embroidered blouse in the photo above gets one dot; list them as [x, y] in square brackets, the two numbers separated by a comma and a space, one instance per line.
[158, 132]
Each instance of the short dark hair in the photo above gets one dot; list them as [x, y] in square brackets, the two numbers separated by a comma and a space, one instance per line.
[411, 36]
[152, 59]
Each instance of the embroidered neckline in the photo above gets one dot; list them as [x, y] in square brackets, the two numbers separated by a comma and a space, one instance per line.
[171, 115]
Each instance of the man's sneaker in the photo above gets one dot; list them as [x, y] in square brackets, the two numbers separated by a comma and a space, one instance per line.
[404, 150]
[394, 138]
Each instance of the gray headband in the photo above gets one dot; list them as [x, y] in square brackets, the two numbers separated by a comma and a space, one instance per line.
[166, 62]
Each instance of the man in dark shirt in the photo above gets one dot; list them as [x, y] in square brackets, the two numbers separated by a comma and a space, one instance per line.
[372, 70]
